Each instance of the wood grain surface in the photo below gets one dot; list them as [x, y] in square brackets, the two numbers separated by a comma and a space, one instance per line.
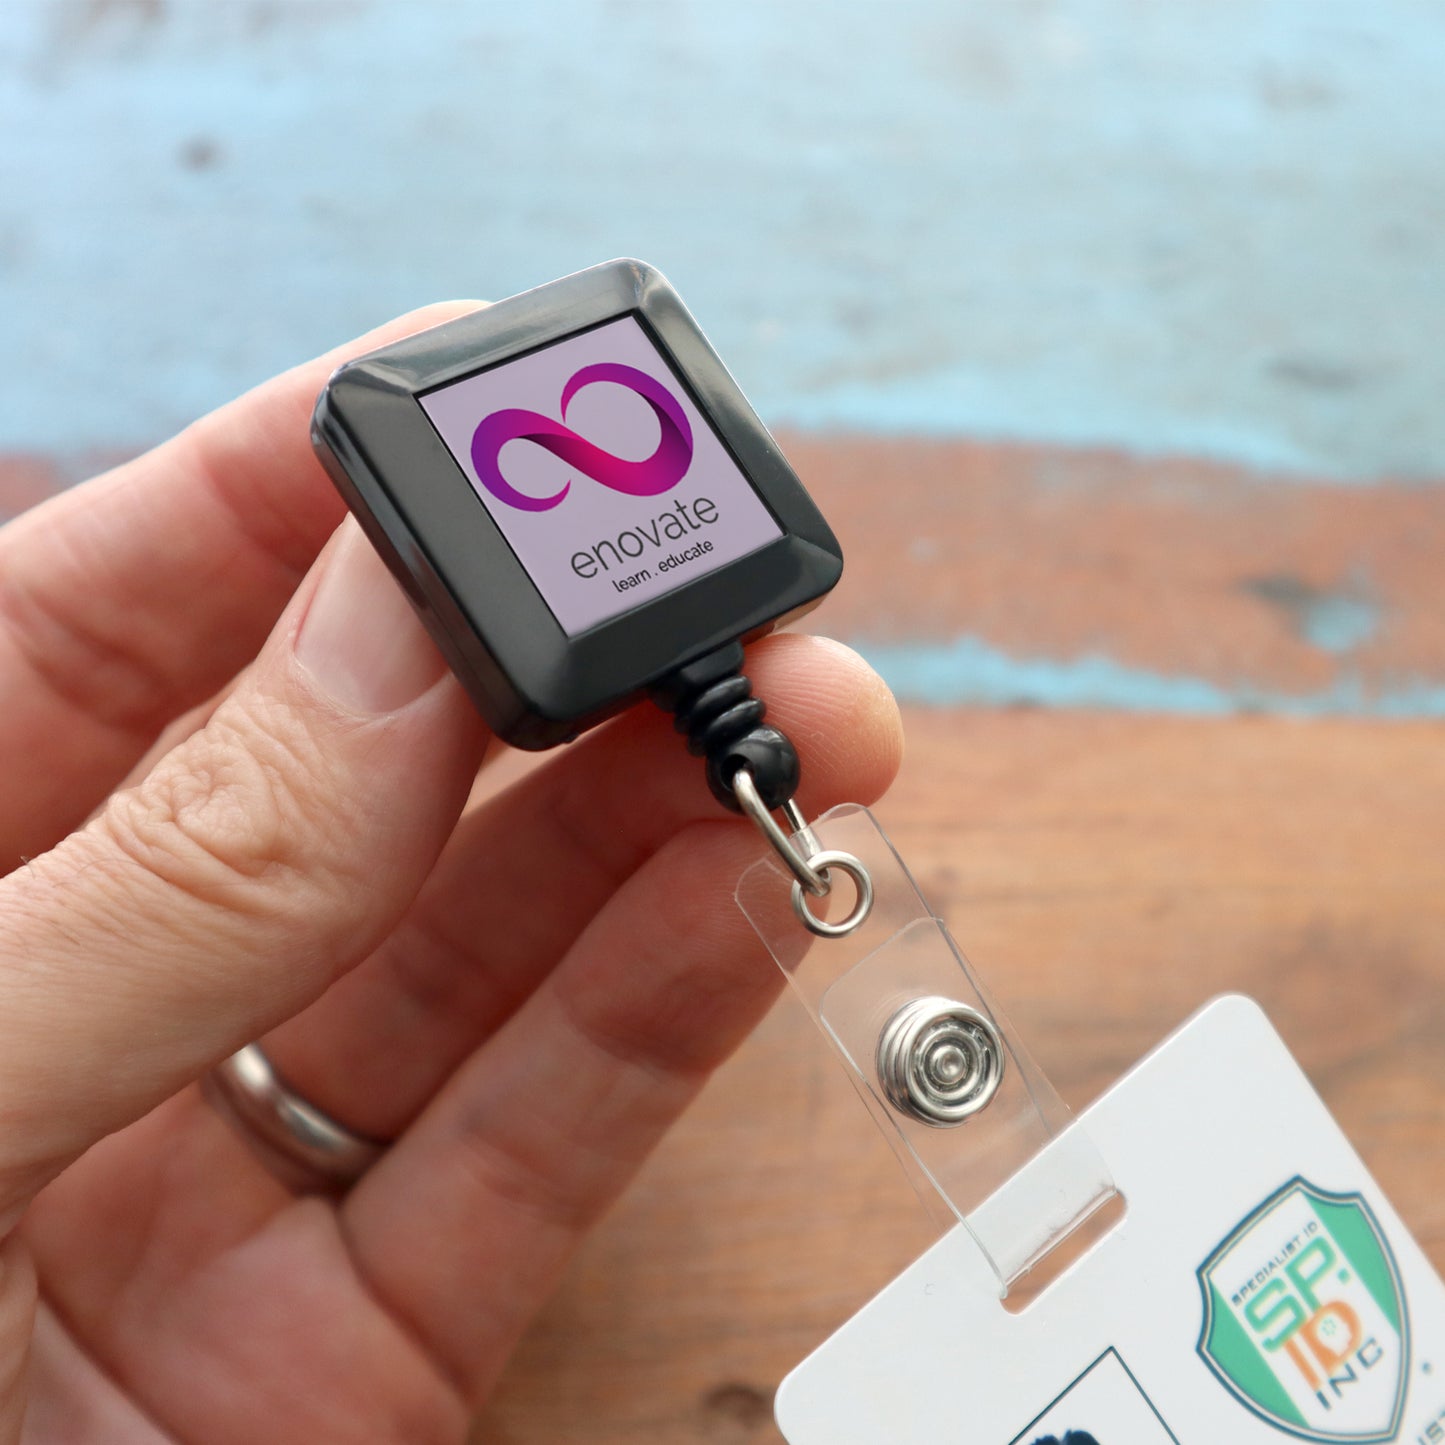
[1189, 260]
[1108, 874]
[1107, 871]
[1199, 584]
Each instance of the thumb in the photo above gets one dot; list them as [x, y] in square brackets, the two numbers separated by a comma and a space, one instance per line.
[257, 861]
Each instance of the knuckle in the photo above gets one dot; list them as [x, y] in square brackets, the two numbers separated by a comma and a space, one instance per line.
[231, 808]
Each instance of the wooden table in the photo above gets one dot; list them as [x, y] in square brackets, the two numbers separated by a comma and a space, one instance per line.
[1108, 872]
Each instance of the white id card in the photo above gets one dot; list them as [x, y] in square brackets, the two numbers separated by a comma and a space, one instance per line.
[1259, 1289]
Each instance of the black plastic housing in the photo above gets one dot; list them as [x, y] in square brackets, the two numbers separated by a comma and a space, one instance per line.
[535, 685]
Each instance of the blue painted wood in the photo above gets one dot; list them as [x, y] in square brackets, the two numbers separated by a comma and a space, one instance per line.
[1209, 229]
[969, 671]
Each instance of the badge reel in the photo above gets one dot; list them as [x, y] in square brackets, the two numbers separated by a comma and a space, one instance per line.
[585, 511]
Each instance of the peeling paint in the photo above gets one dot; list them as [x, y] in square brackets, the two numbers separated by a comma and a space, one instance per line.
[1206, 230]
[1334, 620]
[970, 672]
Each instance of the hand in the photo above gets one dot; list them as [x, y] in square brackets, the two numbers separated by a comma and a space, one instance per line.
[523, 994]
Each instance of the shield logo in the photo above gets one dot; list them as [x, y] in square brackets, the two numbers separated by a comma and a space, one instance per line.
[1305, 1319]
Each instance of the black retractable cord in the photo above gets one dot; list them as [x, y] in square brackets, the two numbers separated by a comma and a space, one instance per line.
[586, 511]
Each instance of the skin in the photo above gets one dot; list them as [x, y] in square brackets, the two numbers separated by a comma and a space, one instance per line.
[210, 840]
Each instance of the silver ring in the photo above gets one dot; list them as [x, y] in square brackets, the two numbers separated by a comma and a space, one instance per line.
[305, 1148]
[862, 880]
[745, 790]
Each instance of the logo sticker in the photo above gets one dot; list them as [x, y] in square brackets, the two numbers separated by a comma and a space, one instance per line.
[1305, 1319]
[652, 476]
[607, 482]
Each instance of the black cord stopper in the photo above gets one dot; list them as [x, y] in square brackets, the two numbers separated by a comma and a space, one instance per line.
[716, 711]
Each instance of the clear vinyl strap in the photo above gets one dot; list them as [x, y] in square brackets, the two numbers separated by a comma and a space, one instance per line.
[954, 1091]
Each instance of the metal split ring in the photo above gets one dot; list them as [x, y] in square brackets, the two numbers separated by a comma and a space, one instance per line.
[810, 867]
[940, 1061]
[828, 859]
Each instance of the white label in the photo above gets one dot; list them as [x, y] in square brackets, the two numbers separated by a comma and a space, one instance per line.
[1259, 1290]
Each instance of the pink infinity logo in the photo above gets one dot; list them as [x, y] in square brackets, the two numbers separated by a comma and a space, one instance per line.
[664, 469]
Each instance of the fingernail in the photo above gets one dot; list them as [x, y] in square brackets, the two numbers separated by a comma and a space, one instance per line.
[360, 640]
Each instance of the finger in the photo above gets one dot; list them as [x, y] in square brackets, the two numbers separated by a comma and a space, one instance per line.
[268, 1336]
[70, 1399]
[524, 874]
[173, 735]
[130, 599]
[259, 860]
[210, 1291]
[18, 1296]
[538, 1133]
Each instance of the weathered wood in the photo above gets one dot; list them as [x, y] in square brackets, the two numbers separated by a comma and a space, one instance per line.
[1272, 592]
[1108, 874]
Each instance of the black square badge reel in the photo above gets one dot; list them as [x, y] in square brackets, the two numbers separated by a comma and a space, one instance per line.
[585, 510]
